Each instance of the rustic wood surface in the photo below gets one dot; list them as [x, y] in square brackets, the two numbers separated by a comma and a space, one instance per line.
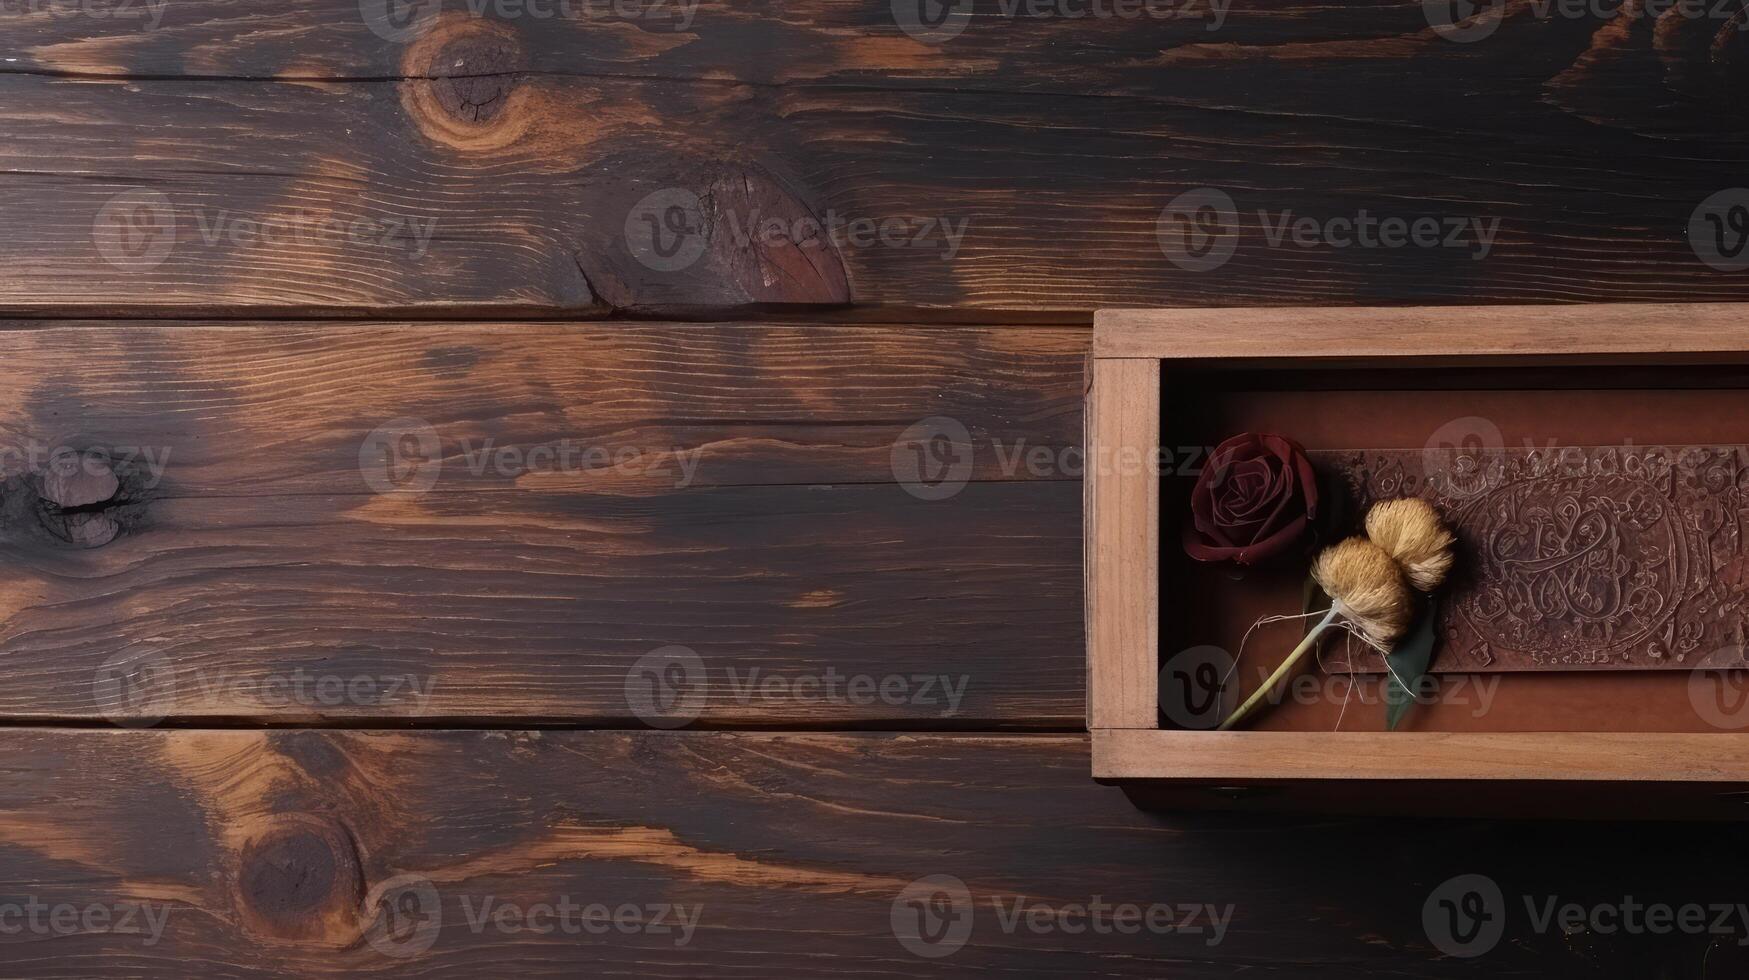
[273, 854]
[251, 540]
[230, 171]
[1050, 147]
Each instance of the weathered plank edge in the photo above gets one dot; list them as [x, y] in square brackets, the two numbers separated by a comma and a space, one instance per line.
[1123, 422]
[1559, 756]
[1425, 332]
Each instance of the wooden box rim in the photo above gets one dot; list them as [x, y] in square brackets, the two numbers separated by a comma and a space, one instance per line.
[1122, 566]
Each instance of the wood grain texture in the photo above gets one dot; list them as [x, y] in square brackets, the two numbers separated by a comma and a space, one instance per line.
[272, 854]
[1055, 145]
[1716, 757]
[235, 561]
[1123, 555]
[1641, 333]
[628, 408]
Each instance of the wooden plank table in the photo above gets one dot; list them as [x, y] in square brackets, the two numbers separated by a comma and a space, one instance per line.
[468, 548]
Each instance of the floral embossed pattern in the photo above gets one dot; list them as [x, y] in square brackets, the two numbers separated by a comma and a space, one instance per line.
[1579, 558]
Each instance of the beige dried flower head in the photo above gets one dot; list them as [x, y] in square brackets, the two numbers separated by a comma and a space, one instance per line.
[1369, 585]
[1411, 531]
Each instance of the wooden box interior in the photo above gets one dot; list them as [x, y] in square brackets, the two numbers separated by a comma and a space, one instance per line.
[1335, 408]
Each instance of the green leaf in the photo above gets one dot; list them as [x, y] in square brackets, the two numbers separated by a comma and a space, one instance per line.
[1313, 600]
[1409, 661]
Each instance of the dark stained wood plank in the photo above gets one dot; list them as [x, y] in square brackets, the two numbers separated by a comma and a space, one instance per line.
[422, 524]
[1051, 148]
[273, 409]
[270, 854]
[804, 606]
[1616, 74]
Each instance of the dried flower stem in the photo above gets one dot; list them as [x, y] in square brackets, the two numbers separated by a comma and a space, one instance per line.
[1286, 667]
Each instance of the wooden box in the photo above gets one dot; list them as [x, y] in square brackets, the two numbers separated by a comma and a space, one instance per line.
[1554, 743]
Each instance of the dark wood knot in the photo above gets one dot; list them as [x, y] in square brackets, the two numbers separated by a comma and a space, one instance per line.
[473, 76]
[299, 880]
[78, 497]
[464, 84]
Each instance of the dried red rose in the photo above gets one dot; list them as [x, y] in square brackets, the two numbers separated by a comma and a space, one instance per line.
[1253, 501]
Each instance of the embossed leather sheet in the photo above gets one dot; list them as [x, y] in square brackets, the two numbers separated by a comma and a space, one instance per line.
[1577, 558]
[1607, 589]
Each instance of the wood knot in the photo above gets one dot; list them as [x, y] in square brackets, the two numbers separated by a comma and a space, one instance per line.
[474, 76]
[464, 84]
[299, 881]
[79, 495]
